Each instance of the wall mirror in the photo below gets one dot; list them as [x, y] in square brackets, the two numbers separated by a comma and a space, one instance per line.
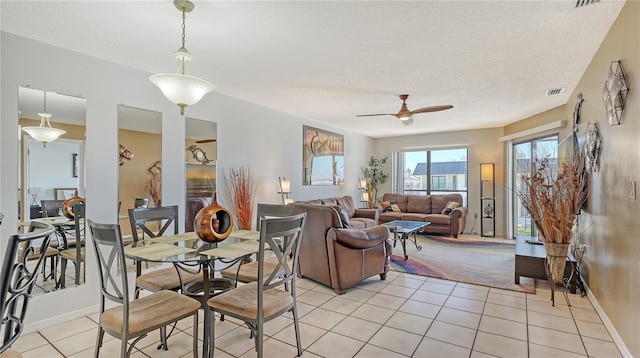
[49, 174]
[201, 153]
[140, 161]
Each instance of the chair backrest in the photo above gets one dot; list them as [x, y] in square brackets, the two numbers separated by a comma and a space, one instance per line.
[1, 218]
[271, 210]
[51, 208]
[17, 279]
[280, 236]
[107, 245]
[141, 203]
[161, 217]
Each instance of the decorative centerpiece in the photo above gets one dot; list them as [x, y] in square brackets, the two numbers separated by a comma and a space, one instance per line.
[67, 205]
[241, 190]
[213, 223]
[553, 197]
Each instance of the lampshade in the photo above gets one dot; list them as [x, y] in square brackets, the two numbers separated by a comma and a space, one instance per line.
[35, 190]
[365, 196]
[288, 201]
[486, 171]
[285, 186]
[407, 121]
[181, 88]
[44, 133]
[363, 184]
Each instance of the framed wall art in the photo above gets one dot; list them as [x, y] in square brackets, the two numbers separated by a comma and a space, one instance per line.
[323, 157]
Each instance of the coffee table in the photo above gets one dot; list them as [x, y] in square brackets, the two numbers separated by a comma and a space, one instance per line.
[405, 228]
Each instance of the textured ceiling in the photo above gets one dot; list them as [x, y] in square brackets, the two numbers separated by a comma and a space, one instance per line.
[329, 61]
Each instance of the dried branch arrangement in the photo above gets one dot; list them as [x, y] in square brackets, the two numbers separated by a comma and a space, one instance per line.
[241, 189]
[554, 198]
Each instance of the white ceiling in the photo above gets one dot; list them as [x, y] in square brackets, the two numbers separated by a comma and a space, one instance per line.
[331, 60]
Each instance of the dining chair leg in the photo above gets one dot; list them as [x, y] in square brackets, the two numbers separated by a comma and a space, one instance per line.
[98, 341]
[195, 335]
[296, 324]
[259, 339]
[63, 269]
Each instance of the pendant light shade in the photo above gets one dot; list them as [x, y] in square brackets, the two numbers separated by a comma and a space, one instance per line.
[44, 133]
[181, 88]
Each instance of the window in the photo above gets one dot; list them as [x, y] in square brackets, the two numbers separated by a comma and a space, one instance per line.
[431, 172]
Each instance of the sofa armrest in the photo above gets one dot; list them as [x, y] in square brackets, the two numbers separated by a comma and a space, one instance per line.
[367, 213]
[458, 220]
[359, 239]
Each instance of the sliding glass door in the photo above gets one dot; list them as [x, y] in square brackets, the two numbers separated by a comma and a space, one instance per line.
[523, 154]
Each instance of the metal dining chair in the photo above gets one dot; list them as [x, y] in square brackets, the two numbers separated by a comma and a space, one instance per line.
[75, 254]
[171, 278]
[17, 281]
[248, 272]
[263, 300]
[133, 319]
[51, 208]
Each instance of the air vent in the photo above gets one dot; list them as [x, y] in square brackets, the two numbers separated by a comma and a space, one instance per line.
[581, 3]
[555, 91]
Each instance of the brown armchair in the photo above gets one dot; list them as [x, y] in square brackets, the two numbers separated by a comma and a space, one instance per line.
[336, 257]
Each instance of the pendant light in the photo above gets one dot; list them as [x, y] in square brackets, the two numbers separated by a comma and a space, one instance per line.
[44, 133]
[182, 88]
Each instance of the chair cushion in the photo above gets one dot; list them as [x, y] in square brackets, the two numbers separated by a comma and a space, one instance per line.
[165, 279]
[243, 302]
[149, 313]
[249, 271]
[344, 216]
[71, 254]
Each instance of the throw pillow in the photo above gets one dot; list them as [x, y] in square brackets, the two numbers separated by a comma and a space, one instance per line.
[387, 206]
[395, 207]
[449, 207]
[344, 217]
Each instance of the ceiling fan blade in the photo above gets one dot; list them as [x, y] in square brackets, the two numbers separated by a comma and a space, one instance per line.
[432, 109]
[378, 114]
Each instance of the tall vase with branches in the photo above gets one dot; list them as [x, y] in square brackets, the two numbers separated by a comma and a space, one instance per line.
[375, 174]
[241, 187]
[554, 197]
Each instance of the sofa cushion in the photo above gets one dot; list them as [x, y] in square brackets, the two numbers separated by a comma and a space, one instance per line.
[438, 219]
[450, 206]
[329, 201]
[395, 208]
[400, 199]
[390, 216]
[386, 205]
[346, 202]
[419, 204]
[362, 223]
[414, 217]
[344, 217]
[438, 202]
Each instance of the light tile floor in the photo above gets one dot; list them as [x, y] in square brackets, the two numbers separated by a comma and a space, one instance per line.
[404, 316]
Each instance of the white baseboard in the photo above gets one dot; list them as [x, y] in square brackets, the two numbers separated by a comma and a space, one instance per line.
[50, 322]
[607, 323]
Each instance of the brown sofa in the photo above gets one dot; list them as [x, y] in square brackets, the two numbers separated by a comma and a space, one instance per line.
[337, 257]
[427, 208]
[357, 218]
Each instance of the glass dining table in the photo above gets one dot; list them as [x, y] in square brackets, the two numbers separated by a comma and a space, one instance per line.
[184, 250]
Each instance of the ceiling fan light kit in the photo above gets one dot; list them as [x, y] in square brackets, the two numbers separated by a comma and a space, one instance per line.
[405, 115]
[181, 88]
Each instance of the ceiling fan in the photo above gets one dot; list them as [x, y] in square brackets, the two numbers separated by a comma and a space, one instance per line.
[405, 115]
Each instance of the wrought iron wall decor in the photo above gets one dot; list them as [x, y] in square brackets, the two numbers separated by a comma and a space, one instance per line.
[592, 146]
[614, 93]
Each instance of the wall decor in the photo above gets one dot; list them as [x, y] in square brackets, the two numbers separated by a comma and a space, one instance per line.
[576, 112]
[199, 154]
[614, 93]
[323, 157]
[592, 146]
[124, 155]
[76, 165]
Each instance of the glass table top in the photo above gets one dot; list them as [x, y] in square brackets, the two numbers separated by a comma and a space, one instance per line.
[406, 226]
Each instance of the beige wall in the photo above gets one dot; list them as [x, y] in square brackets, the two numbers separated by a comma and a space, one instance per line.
[610, 227]
[134, 174]
[483, 147]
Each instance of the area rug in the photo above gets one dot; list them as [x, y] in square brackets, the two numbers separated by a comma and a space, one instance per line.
[478, 262]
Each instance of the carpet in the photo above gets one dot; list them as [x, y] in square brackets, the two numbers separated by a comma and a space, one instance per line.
[477, 262]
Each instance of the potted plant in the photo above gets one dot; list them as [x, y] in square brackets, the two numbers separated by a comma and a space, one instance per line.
[375, 175]
[553, 196]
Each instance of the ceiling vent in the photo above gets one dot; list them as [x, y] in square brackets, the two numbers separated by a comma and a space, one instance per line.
[554, 91]
[581, 3]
